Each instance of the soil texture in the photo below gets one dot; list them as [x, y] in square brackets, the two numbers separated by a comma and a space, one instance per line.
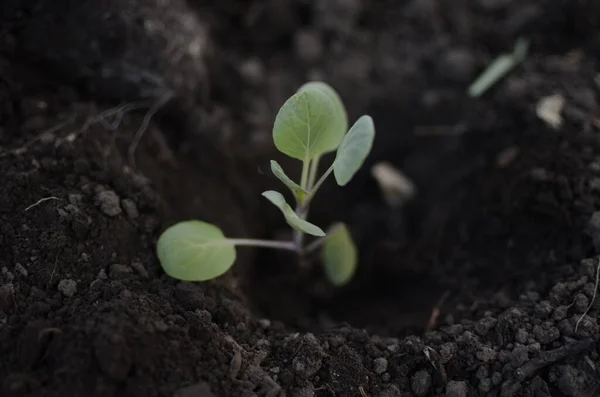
[118, 119]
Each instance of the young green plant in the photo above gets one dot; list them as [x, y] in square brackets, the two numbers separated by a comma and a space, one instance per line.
[311, 123]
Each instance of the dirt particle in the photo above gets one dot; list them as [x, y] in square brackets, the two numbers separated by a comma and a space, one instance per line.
[119, 272]
[306, 391]
[546, 334]
[9, 275]
[457, 389]
[380, 365]
[570, 382]
[390, 391]
[420, 383]
[161, 326]
[265, 323]
[486, 354]
[581, 303]
[560, 313]
[309, 361]
[139, 267]
[522, 336]
[485, 325]
[68, 287]
[519, 356]
[108, 201]
[130, 208]
[102, 275]
[19, 268]
[189, 296]
[543, 309]
[482, 372]
[496, 378]
[485, 385]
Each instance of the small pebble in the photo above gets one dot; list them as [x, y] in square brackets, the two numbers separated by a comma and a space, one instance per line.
[108, 202]
[119, 272]
[161, 326]
[264, 323]
[486, 354]
[380, 365]
[521, 336]
[307, 391]
[485, 385]
[496, 378]
[138, 267]
[130, 208]
[19, 268]
[68, 287]
[420, 383]
[457, 389]
[102, 275]
[390, 391]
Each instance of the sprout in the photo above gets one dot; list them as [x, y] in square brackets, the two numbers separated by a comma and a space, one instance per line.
[311, 123]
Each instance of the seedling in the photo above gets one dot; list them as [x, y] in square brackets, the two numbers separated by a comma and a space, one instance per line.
[311, 123]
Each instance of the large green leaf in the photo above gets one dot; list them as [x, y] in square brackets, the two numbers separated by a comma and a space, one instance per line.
[195, 251]
[339, 255]
[353, 150]
[305, 125]
[298, 191]
[290, 216]
[340, 123]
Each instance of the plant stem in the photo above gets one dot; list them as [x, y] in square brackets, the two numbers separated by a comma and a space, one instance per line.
[305, 170]
[314, 167]
[302, 213]
[312, 247]
[313, 191]
[282, 245]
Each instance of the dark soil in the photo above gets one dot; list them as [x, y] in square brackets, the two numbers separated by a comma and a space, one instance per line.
[118, 119]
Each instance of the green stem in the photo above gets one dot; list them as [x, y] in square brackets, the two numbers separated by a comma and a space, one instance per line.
[282, 245]
[314, 167]
[313, 191]
[305, 170]
[312, 247]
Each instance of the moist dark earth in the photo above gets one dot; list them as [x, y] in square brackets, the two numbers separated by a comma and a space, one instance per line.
[120, 118]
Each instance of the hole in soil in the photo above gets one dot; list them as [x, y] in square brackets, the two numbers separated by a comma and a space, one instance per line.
[389, 295]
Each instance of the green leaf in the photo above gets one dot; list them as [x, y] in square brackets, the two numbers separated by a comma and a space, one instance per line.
[305, 125]
[353, 150]
[298, 191]
[339, 255]
[340, 123]
[290, 216]
[195, 251]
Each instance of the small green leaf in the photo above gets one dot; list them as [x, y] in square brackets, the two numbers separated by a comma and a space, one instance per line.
[353, 150]
[340, 124]
[290, 216]
[339, 255]
[305, 125]
[194, 251]
[298, 191]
